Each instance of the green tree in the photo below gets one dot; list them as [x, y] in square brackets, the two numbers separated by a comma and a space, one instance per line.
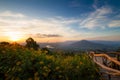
[30, 43]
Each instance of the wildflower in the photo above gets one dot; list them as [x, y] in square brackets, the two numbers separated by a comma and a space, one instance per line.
[49, 65]
[45, 52]
[57, 68]
[31, 49]
[45, 74]
[81, 63]
[41, 62]
[3, 51]
[14, 49]
[13, 68]
[97, 70]
[60, 71]
[18, 63]
[49, 70]
[16, 78]
[77, 67]
[36, 78]
[30, 79]
[60, 76]
[36, 74]
[45, 68]
[6, 74]
[50, 58]
[19, 69]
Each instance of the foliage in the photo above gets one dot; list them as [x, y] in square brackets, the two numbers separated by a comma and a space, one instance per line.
[4, 43]
[118, 50]
[32, 44]
[20, 63]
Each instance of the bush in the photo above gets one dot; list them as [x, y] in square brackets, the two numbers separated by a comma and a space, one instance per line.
[20, 63]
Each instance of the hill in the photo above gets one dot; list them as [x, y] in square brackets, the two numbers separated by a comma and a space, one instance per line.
[84, 45]
[87, 45]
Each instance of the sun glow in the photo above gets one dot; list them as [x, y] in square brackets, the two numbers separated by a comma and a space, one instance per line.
[14, 36]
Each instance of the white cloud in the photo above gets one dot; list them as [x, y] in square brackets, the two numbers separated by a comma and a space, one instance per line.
[108, 38]
[97, 19]
[11, 14]
[99, 3]
[13, 22]
[26, 25]
[114, 23]
[102, 18]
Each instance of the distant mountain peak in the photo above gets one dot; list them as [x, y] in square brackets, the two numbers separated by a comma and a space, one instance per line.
[83, 40]
[85, 44]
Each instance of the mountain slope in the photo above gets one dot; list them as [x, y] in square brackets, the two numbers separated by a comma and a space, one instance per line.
[110, 43]
[88, 45]
[82, 45]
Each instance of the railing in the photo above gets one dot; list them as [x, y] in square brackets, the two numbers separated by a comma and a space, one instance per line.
[110, 65]
[117, 55]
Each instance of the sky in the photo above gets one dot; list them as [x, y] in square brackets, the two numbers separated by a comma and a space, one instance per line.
[59, 20]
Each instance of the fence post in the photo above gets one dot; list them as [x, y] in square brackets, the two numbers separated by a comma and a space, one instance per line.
[118, 58]
[109, 77]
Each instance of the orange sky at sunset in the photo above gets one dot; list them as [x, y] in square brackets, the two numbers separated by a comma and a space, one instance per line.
[59, 20]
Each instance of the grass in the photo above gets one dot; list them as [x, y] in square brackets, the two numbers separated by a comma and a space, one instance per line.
[20, 63]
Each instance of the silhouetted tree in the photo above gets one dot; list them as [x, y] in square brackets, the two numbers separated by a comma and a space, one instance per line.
[30, 43]
[4, 43]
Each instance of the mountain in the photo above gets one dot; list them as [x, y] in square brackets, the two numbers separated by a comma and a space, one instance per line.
[83, 45]
[88, 45]
[110, 43]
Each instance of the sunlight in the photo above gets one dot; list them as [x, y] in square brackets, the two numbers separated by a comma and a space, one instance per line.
[14, 36]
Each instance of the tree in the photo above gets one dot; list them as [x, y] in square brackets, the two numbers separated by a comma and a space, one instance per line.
[30, 43]
[4, 43]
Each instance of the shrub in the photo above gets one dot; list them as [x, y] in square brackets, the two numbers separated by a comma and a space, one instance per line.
[20, 63]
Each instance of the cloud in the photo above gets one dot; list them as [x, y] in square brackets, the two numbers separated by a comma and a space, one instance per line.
[103, 17]
[95, 4]
[114, 23]
[58, 27]
[97, 19]
[99, 3]
[108, 38]
[50, 27]
[39, 35]
[11, 14]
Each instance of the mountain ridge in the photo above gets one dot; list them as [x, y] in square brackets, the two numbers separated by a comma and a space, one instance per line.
[84, 45]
